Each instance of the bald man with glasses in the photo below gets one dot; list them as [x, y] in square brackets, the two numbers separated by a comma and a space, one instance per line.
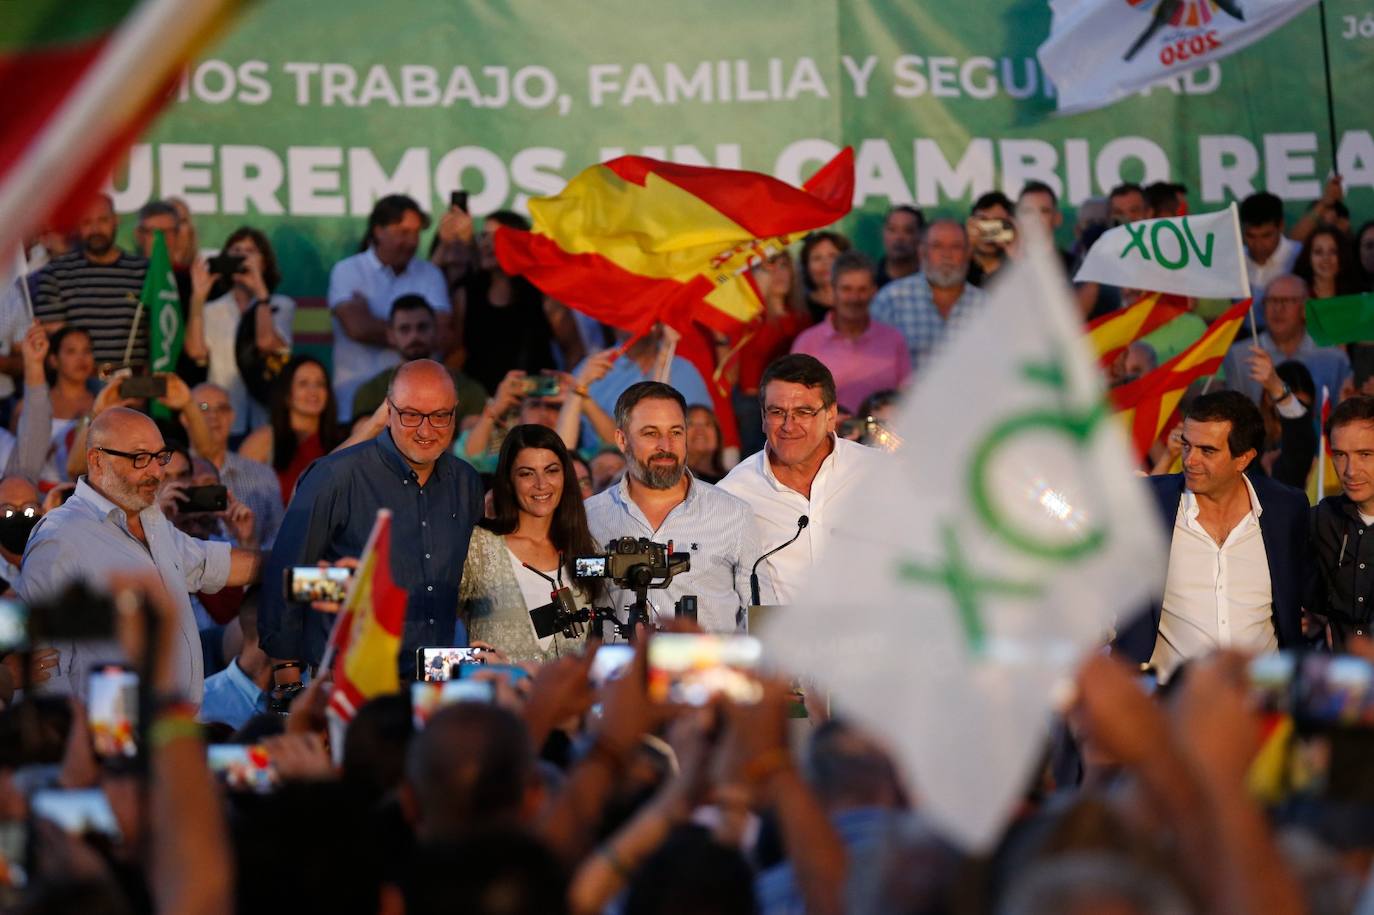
[112, 523]
[435, 500]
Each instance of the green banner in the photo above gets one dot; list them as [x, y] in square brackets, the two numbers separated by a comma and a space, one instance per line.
[296, 123]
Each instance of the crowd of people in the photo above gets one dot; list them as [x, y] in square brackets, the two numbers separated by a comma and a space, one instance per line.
[511, 438]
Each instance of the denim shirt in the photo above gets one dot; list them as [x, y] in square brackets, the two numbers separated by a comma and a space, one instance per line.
[330, 517]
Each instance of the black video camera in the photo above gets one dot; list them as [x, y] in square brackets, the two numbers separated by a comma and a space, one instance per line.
[634, 564]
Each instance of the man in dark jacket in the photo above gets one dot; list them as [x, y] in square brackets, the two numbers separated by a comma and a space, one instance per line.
[1342, 590]
[1238, 557]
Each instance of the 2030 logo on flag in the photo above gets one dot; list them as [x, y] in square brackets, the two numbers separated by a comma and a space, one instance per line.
[1184, 14]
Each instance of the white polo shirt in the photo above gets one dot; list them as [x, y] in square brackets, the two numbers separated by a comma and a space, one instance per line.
[1215, 596]
[777, 507]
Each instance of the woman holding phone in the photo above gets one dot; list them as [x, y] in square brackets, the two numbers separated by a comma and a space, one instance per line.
[524, 551]
[240, 285]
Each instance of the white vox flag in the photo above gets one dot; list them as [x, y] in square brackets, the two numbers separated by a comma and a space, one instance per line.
[966, 577]
[1198, 255]
[1100, 51]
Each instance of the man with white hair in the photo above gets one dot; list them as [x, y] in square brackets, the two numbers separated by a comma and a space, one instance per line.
[112, 523]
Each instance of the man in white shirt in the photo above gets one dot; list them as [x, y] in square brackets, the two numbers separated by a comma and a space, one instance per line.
[801, 470]
[1268, 252]
[362, 288]
[112, 524]
[1239, 557]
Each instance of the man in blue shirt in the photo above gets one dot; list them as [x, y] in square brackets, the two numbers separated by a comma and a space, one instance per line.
[643, 361]
[435, 498]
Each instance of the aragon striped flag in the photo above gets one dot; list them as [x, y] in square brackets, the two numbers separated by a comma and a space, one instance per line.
[78, 83]
[366, 640]
[1147, 404]
[1112, 333]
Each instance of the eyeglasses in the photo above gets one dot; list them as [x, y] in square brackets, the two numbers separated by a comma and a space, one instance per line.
[778, 416]
[28, 510]
[141, 459]
[223, 409]
[411, 419]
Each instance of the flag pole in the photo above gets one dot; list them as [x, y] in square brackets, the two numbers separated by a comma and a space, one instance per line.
[1330, 102]
[1321, 446]
[133, 331]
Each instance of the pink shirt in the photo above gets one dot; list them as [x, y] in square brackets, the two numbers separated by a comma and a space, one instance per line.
[874, 361]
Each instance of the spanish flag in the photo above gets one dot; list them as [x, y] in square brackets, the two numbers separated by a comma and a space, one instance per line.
[634, 240]
[78, 83]
[1111, 334]
[366, 638]
[1147, 404]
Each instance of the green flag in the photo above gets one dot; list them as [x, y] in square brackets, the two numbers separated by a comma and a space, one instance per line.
[1341, 319]
[163, 304]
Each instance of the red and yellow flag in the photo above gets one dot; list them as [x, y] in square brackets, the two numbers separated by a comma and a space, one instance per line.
[1111, 334]
[1147, 404]
[366, 639]
[78, 83]
[634, 240]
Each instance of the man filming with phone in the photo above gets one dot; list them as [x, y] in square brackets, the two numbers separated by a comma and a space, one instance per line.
[993, 235]
[112, 523]
[659, 499]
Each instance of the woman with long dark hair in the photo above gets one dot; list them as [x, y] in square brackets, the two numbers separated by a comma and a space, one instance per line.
[1327, 264]
[304, 424]
[215, 335]
[525, 550]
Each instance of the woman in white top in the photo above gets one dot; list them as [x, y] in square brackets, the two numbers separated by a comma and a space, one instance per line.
[524, 552]
[71, 366]
[212, 328]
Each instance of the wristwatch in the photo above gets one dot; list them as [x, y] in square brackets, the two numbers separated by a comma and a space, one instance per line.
[1287, 392]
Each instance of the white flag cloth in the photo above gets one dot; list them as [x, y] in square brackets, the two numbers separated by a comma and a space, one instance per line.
[1100, 51]
[966, 577]
[1198, 255]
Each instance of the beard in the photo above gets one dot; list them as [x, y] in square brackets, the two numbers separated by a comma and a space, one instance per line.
[97, 244]
[127, 495]
[658, 477]
[945, 277]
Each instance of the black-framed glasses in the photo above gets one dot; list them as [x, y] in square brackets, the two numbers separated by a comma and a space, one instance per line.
[222, 409]
[141, 459]
[411, 419]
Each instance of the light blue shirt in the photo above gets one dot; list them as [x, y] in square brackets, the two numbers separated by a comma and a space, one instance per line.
[719, 532]
[1328, 365]
[908, 304]
[87, 539]
[682, 375]
[356, 362]
[231, 697]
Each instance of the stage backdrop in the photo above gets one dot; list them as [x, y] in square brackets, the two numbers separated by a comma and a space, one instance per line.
[307, 112]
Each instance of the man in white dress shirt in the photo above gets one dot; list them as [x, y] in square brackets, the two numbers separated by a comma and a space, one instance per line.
[802, 470]
[1239, 554]
[362, 288]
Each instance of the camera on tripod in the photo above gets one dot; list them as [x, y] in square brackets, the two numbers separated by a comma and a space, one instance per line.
[634, 564]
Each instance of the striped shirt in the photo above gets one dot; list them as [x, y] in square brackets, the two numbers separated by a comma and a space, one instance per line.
[719, 532]
[256, 485]
[99, 298]
[908, 304]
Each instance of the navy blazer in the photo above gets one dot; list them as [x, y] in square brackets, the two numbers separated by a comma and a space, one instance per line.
[1284, 526]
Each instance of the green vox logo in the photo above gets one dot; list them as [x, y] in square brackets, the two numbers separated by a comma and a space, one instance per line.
[968, 587]
[1145, 239]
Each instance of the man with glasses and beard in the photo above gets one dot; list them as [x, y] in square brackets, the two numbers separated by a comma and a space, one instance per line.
[96, 288]
[435, 500]
[928, 306]
[112, 523]
[659, 499]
